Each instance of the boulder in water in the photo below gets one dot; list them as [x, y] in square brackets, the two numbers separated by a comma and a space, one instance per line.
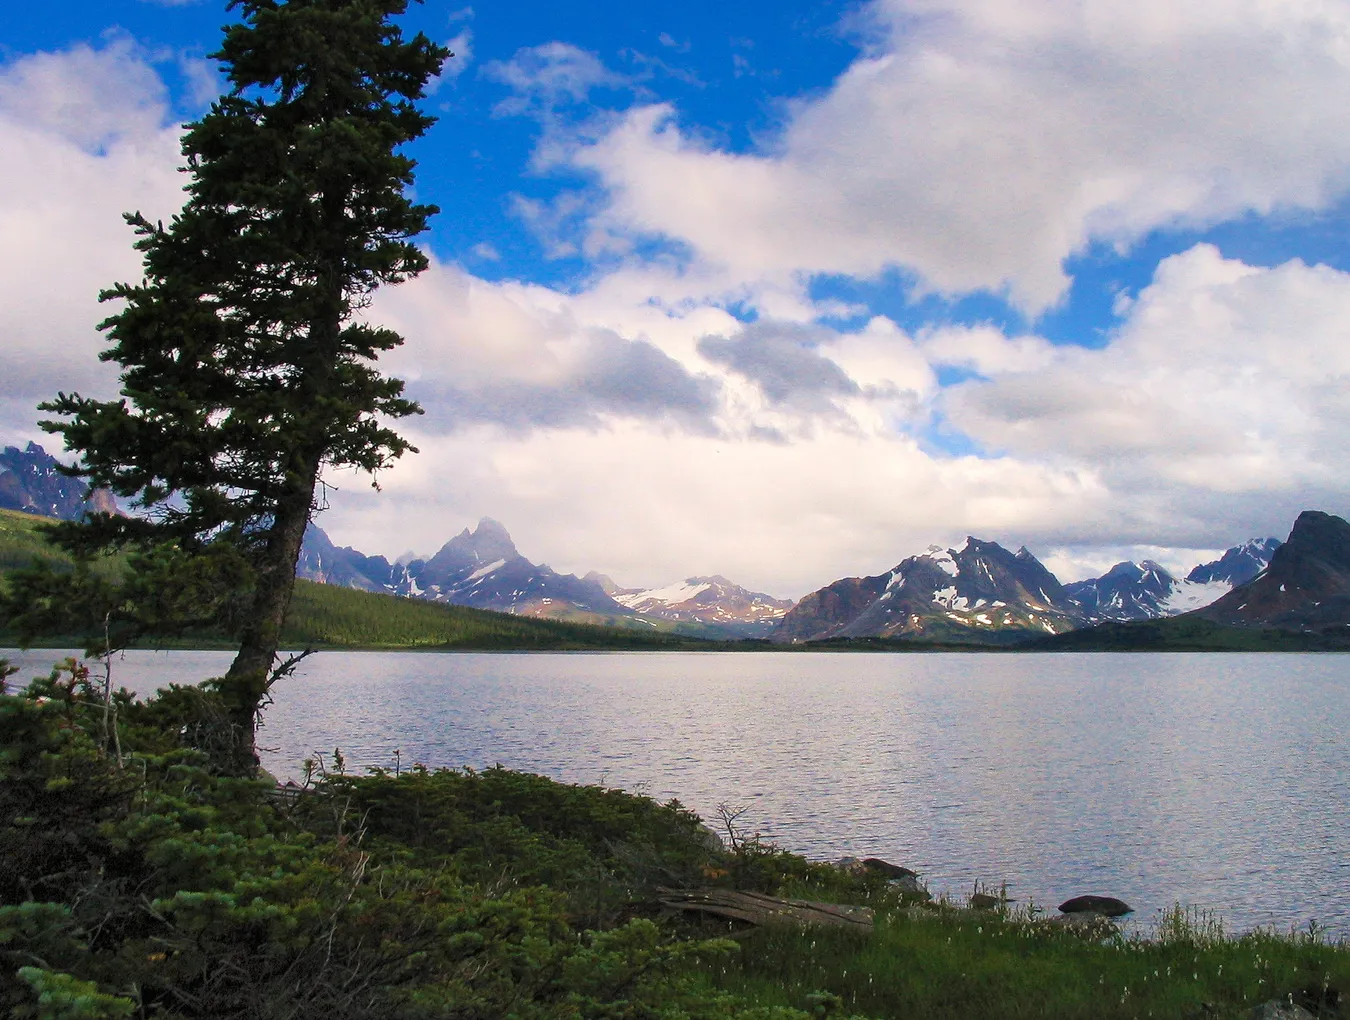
[886, 869]
[1107, 906]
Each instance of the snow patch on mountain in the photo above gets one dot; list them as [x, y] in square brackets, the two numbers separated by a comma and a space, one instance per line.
[482, 572]
[671, 595]
[1189, 595]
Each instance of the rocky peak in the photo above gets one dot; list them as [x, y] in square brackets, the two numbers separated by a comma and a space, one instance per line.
[487, 543]
[1306, 585]
[31, 481]
[605, 582]
[1239, 564]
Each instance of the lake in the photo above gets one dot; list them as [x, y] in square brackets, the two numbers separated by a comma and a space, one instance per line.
[1218, 781]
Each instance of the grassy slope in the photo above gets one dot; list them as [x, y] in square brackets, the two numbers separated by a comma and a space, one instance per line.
[329, 616]
[21, 542]
[343, 617]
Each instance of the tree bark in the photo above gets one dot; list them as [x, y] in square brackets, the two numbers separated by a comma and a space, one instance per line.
[246, 684]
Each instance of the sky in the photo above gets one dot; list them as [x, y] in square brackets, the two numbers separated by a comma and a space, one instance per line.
[786, 291]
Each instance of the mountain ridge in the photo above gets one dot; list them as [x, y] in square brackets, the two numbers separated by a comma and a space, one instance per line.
[982, 592]
[31, 482]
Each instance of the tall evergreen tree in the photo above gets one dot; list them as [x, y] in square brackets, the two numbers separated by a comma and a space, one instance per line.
[245, 368]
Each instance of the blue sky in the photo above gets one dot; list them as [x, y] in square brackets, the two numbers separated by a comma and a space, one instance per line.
[789, 291]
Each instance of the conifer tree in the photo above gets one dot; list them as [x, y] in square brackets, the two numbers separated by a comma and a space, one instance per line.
[245, 368]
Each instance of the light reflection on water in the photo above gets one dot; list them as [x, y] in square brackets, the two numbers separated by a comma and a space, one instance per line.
[1220, 781]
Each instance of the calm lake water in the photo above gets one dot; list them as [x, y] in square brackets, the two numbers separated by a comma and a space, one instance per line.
[1219, 781]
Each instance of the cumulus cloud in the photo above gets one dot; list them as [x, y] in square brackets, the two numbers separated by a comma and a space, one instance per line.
[461, 48]
[519, 356]
[86, 136]
[980, 143]
[647, 505]
[1226, 388]
[785, 361]
[546, 77]
[614, 427]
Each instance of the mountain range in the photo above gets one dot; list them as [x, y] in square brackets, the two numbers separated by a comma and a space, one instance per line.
[31, 482]
[482, 568]
[981, 593]
[987, 594]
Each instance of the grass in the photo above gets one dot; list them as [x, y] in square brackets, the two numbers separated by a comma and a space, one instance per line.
[329, 616]
[977, 964]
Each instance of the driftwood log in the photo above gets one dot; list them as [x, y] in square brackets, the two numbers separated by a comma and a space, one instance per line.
[758, 909]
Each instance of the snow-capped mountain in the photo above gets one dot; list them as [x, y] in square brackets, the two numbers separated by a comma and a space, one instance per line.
[713, 601]
[1238, 565]
[981, 592]
[1147, 591]
[1128, 591]
[30, 482]
[482, 568]
[326, 563]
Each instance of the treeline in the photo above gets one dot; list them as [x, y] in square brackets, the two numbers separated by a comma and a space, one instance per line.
[1186, 634]
[344, 617]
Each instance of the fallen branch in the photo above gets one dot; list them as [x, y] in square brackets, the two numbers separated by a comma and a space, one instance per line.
[758, 909]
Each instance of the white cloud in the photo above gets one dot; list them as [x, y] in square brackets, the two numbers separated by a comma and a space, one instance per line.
[1227, 386]
[519, 356]
[461, 46]
[648, 505]
[548, 76]
[91, 98]
[85, 138]
[983, 142]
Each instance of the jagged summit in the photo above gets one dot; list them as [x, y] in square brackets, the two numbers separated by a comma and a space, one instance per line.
[487, 543]
[484, 569]
[981, 592]
[1306, 585]
[1147, 591]
[1238, 565]
[30, 481]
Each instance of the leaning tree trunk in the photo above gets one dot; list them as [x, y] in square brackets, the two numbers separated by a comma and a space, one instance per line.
[245, 686]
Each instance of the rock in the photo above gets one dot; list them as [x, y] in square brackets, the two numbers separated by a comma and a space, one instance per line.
[851, 866]
[885, 868]
[983, 901]
[907, 884]
[1107, 906]
[1279, 1009]
[709, 839]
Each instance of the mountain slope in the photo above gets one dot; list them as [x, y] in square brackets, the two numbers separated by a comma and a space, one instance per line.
[483, 569]
[1306, 587]
[1146, 591]
[1238, 565]
[1128, 591]
[31, 483]
[711, 601]
[981, 593]
[325, 563]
